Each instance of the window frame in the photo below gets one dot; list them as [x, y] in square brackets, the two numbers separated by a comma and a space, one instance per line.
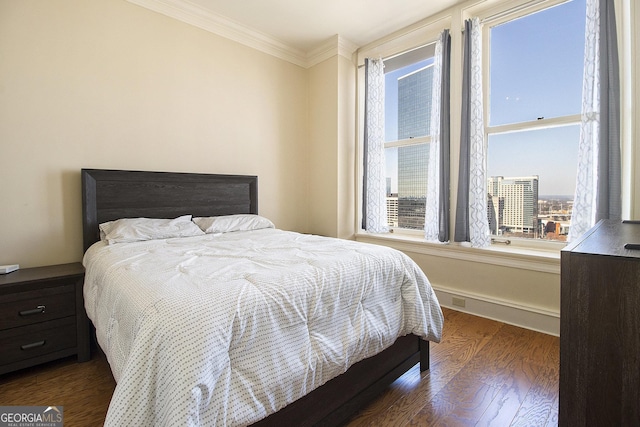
[489, 20]
[408, 142]
[421, 35]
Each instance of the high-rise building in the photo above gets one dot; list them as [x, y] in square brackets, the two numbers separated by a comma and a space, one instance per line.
[414, 103]
[414, 113]
[513, 204]
[392, 210]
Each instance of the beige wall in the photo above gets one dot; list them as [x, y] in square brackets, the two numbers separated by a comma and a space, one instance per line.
[519, 296]
[332, 147]
[107, 84]
[347, 180]
[323, 156]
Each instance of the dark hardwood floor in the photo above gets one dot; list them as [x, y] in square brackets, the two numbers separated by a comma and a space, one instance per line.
[483, 373]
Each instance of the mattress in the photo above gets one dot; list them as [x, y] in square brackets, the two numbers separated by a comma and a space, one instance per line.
[225, 329]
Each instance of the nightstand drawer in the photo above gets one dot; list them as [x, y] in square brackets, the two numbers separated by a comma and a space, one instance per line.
[35, 340]
[26, 308]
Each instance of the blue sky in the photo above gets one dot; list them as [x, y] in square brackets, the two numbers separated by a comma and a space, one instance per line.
[543, 80]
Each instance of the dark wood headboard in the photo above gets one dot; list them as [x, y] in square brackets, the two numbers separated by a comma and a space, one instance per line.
[108, 195]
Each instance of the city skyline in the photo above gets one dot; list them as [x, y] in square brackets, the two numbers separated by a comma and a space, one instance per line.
[552, 67]
[515, 209]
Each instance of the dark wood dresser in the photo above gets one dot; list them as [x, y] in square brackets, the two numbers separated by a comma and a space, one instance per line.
[42, 316]
[600, 328]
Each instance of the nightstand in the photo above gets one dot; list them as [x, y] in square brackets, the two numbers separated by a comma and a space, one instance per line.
[42, 316]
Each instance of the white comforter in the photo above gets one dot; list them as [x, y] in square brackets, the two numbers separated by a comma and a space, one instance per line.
[226, 329]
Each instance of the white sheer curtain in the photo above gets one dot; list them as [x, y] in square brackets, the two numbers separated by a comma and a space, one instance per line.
[598, 177]
[375, 201]
[431, 219]
[478, 222]
[584, 213]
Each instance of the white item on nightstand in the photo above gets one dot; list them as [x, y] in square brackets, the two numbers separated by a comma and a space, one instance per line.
[4, 269]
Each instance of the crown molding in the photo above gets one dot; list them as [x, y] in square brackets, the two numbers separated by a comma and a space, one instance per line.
[336, 45]
[197, 16]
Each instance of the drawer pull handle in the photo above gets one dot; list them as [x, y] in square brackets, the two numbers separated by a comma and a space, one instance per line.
[39, 309]
[33, 345]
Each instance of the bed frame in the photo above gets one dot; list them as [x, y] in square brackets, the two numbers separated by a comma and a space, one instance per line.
[111, 194]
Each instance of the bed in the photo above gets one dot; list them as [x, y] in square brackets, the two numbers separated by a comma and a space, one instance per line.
[159, 321]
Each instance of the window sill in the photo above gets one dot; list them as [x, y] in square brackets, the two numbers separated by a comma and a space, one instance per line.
[514, 256]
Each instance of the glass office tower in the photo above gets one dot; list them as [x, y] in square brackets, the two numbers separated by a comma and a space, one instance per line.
[414, 114]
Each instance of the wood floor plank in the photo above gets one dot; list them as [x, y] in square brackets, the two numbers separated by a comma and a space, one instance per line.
[405, 408]
[432, 412]
[552, 421]
[465, 400]
[494, 364]
[509, 362]
[541, 403]
[460, 343]
[511, 395]
[82, 389]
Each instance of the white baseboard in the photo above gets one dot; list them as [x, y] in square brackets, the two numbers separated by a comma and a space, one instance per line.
[533, 318]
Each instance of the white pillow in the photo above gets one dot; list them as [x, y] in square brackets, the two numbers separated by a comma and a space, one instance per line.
[137, 229]
[228, 223]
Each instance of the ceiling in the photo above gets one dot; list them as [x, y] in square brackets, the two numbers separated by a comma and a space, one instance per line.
[300, 30]
[305, 24]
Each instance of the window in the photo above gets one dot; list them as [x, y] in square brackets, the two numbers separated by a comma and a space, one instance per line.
[408, 87]
[534, 92]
